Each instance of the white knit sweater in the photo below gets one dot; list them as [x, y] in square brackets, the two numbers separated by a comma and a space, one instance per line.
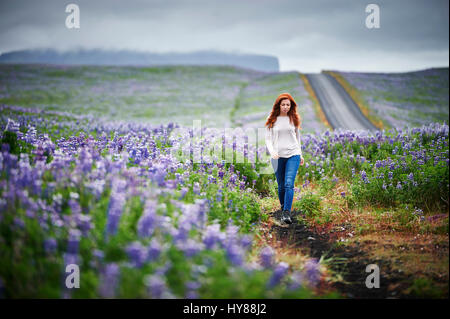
[283, 138]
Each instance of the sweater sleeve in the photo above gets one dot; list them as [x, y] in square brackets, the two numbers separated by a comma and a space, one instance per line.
[269, 141]
[297, 133]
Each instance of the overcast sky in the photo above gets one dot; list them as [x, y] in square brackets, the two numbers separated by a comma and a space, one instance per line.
[307, 36]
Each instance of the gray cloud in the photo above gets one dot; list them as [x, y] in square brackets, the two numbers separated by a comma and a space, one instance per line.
[306, 35]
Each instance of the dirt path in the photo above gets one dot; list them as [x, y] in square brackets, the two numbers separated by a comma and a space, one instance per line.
[348, 261]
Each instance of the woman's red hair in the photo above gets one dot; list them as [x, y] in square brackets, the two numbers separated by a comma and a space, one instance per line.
[294, 117]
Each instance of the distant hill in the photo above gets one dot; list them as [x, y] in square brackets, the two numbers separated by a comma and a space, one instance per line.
[125, 57]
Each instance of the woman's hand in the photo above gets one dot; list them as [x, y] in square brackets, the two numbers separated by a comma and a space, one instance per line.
[302, 160]
[275, 156]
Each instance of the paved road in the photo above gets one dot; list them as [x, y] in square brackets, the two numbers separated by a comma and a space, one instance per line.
[339, 108]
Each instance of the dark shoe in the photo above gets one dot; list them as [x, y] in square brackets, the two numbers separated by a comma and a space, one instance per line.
[286, 217]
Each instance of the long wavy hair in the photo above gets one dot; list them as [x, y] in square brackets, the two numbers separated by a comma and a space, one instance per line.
[294, 117]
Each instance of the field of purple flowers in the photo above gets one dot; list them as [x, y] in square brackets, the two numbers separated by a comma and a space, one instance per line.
[405, 99]
[137, 221]
[390, 168]
[140, 223]
[117, 198]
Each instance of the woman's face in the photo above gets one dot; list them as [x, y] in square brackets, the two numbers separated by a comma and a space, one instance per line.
[285, 106]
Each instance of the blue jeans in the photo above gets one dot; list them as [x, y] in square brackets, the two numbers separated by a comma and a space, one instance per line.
[286, 170]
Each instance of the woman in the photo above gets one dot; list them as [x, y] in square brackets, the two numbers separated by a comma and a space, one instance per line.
[284, 145]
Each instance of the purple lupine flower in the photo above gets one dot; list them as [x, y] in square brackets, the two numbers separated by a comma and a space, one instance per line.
[148, 220]
[156, 286]
[98, 254]
[343, 194]
[266, 256]
[182, 232]
[278, 274]
[211, 179]
[70, 258]
[363, 174]
[394, 151]
[197, 188]
[306, 183]
[109, 280]
[73, 241]
[159, 172]
[399, 185]
[436, 160]
[199, 210]
[297, 280]
[84, 223]
[246, 241]
[235, 254]
[364, 177]
[50, 245]
[231, 232]
[312, 271]
[219, 196]
[183, 191]
[191, 289]
[161, 271]
[212, 236]
[378, 164]
[84, 161]
[19, 222]
[419, 213]
[116, 203]
[190, 247]
[154, 250]
[171, 184]
[137, 254]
